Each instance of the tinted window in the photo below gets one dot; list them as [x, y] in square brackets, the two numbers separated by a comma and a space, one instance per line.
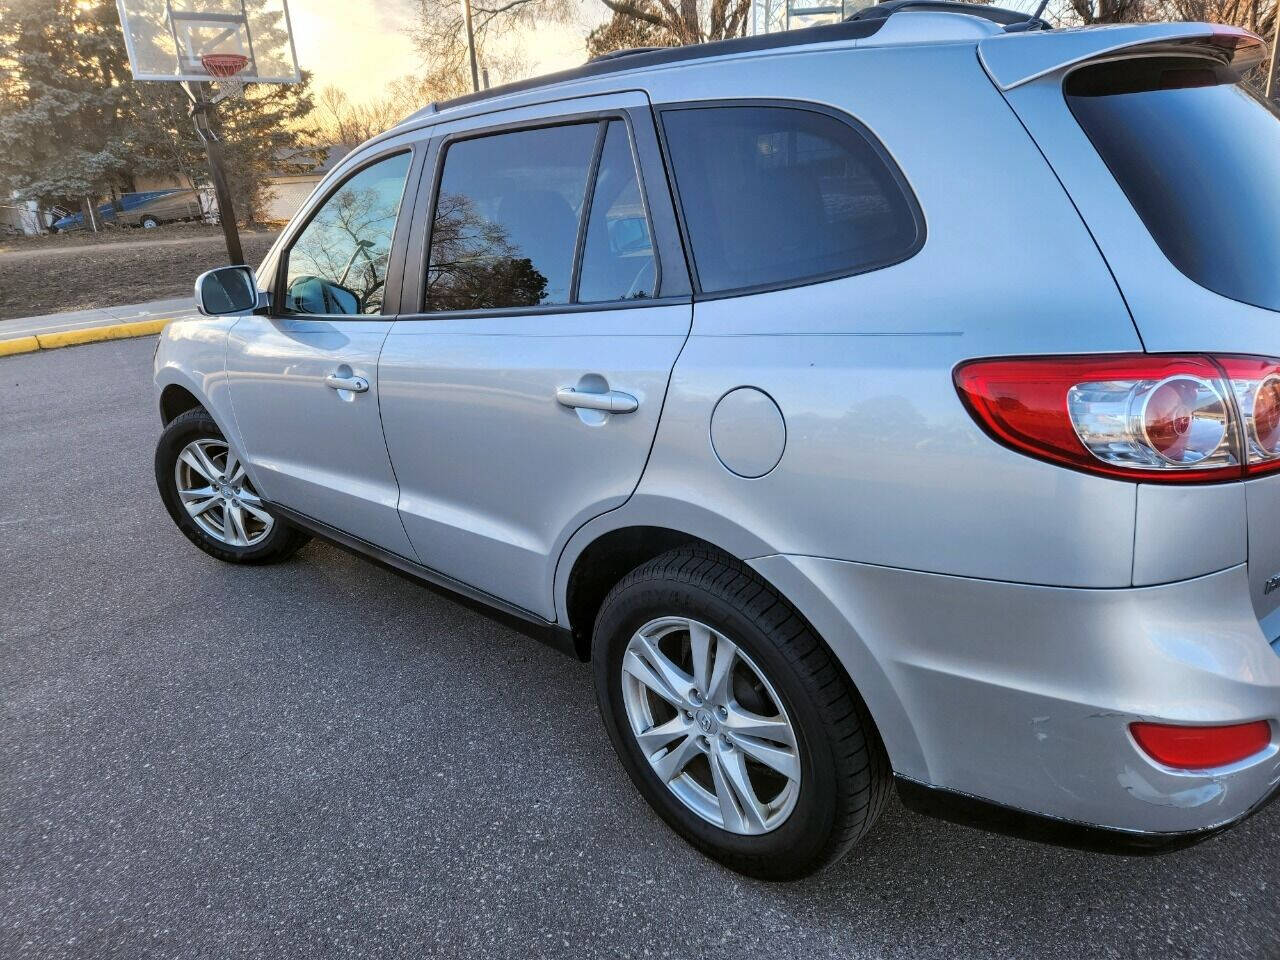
[338, 264]
[506, 221]
[774, 195]
[1199, 157]
[617, 258]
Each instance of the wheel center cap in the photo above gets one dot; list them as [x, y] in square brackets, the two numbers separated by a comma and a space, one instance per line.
[706, 721]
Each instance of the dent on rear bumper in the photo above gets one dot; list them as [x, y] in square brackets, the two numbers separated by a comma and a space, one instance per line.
[1023, 695]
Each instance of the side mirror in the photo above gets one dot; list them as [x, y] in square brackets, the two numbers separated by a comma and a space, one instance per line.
[226, 290]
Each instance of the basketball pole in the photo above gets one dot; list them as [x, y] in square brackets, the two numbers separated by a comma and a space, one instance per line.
[203, 115]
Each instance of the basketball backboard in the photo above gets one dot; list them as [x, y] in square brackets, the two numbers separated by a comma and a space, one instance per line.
[194, 40]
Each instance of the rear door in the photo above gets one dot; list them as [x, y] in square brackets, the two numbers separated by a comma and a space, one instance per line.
[304, 378]
[522, 384]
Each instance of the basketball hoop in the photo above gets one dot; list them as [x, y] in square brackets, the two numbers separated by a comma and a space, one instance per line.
[212, 48]
[225, 68]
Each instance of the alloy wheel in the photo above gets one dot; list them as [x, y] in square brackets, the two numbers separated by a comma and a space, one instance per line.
[711, 725]
[217, 494]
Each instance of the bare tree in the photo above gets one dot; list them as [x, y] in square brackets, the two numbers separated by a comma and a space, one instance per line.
[621, 32]
[668, 23]
[682, 21]
[338, 119]
[439, 33]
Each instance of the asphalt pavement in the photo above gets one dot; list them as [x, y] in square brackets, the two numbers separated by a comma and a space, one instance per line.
[321, 759]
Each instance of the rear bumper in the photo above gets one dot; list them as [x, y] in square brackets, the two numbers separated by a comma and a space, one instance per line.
[1021, 696]
[986, 815]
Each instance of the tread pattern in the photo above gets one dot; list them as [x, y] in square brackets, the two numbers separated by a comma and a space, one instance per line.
[864, 778]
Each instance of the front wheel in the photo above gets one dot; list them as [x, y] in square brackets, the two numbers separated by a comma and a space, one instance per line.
[149, 223]
[209, 496]
[733, 719]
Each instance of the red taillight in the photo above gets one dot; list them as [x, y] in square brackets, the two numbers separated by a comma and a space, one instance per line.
[1201, 748]
[1136, 416]
[1255, 381]
[1140, 417]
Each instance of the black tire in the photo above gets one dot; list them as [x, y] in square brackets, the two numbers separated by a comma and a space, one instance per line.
[845, 775]
[283, 540]
[148, 222]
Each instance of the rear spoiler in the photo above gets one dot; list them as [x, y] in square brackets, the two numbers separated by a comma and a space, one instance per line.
[1015, 59]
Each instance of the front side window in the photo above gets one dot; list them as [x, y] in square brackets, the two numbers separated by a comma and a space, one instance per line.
[777, 195]
[338, 264]
[1198, 155]
[506, 222]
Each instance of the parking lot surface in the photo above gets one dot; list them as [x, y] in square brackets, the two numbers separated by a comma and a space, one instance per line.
[322, 759]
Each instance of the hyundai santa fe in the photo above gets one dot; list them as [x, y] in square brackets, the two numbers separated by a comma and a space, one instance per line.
[893, 403]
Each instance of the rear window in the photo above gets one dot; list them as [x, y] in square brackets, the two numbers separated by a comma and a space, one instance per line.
[777, 195]
[1198, 155]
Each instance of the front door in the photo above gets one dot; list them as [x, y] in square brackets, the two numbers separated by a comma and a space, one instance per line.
[304, 379]
[523, 399]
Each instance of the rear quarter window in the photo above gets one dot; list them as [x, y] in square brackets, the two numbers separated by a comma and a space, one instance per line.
[773, 196]
[1198, 155]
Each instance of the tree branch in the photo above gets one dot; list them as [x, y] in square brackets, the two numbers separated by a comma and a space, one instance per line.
[494, 11]
[635, 12]
[491, 14]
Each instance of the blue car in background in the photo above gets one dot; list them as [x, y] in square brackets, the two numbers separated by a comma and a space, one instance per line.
[147, 208]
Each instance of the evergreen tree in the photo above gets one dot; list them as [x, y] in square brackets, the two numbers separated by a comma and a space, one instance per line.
[63, 104]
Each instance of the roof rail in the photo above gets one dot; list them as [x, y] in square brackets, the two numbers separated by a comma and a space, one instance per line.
[861, 25]
[1011, 20]
[655, 56]
[625, 52]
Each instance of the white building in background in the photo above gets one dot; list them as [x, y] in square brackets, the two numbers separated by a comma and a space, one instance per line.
[20, 217]
[289, 190]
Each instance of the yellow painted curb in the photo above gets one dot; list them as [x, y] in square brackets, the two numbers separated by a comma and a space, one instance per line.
[72, 338]
[116, 331]
[21, 345]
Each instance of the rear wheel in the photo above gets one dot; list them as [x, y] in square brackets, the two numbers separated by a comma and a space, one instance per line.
[733, 719]
[149, 222]
[210, 497]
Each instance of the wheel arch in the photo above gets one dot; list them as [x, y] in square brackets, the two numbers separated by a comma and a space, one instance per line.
[180, 390]
[175, 400]
[602, 563]
[605, 550]
[619, 540]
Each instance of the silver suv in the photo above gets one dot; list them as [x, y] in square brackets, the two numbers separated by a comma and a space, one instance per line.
[890, 402]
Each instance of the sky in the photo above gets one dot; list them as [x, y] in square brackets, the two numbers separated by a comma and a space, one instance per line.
[360, 46]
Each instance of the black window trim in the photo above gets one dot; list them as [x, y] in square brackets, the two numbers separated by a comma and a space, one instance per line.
[588, 200]
[858, 127]
[601, 118]
[399, 237]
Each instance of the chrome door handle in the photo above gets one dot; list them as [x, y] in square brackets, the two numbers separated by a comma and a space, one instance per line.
[615, 401]
[354, 384]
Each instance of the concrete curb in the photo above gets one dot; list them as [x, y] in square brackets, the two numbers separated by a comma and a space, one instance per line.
[72, 338]
[21, 345]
